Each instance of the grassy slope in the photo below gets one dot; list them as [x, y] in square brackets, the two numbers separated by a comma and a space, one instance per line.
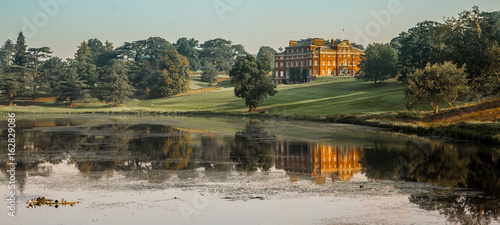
[326, 96]
[322, 97]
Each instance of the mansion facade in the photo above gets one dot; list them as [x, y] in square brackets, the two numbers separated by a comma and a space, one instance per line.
[319, 58]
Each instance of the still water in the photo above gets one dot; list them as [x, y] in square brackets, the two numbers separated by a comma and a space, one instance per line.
[191, 170]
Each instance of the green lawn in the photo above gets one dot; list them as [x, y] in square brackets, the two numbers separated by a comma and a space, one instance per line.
[325, 96]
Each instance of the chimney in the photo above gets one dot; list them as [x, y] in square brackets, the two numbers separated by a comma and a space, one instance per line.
[292, 43]
[319, 41]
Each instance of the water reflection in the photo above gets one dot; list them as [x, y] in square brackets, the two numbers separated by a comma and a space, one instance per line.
[102, 148]
[320, 161]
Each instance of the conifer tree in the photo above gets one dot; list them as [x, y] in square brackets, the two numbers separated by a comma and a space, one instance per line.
[115, 83]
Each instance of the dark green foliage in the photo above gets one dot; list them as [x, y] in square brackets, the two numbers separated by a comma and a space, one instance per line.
[422, 44]
[218, 52]
[115, 84]
[14, 81]
[267, 51]
[295, 75]
[20, 51]
[188, 48]
[436, 84]
[379, 63]
[34, 58]
[71, 87]
[209, 73]
[7, 54]
[173, 76]
[305, 75]
[253, 148]
[53, 69]
[153, 49]
[251, 82]
[86, 71]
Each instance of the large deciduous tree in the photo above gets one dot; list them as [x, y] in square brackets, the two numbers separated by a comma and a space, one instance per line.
[266, 51]
[435, 85]
[379, 63]
[218, 52]
[251, 82]
[173, 75]
[115, 84]
[189, 49]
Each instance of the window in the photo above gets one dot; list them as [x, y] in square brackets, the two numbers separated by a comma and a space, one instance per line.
[315, 62]
[276, 65]
[324, 63]
[329, 71]
[323, 72]
[287, 74]
[281, 64]
[329, 62]
[276, 74]
[334, 63]
[335, 73]
[287, 65]
[310, 72]
[281, 74]
[301, 63]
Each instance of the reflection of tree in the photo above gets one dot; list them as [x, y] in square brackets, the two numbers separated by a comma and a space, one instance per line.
[443, 165]
[383, 164]
[460, 208]
[253, 148]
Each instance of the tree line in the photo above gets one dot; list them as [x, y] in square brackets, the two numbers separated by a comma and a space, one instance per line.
[152, 67]
[441, 62]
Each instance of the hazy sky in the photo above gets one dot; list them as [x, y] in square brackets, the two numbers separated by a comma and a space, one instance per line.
[63, 24]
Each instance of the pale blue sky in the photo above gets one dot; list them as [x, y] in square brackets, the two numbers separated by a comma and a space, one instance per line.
[252, 23]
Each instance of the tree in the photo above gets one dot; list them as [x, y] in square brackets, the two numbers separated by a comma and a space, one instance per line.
[266, 51]
[251, 82]
[35, 55]
[83, 53]
[422, 44]
[218, 52]
[435, 85]
[71, 88]
[173, 76]
[188, 48]
[472, 46]
[209, 73]
[13, 82]
[7, 53]
[305, 75]
[379, 63]
[54, 69]
[295, 75]
[86, 71]
[20, 51]
[116, 87]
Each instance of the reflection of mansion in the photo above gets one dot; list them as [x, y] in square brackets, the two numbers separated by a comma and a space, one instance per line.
[318, 160]
[318, 58]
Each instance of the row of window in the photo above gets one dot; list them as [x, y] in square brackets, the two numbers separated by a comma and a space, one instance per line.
[315, 55]
[309, 63]
[281, 74]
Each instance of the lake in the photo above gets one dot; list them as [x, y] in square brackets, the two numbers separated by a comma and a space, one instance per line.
[214, 170]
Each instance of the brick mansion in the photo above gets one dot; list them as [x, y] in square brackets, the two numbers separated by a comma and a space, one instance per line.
[319, 58]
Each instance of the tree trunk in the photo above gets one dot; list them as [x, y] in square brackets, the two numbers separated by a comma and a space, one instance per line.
[451, 105]
[436, 109]
[252, 108]
[70, 102]
[11, 101]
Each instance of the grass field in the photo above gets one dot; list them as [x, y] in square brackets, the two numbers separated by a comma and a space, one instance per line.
[324, 96]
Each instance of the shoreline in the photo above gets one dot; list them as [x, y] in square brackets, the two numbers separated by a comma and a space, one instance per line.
[481, 133]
